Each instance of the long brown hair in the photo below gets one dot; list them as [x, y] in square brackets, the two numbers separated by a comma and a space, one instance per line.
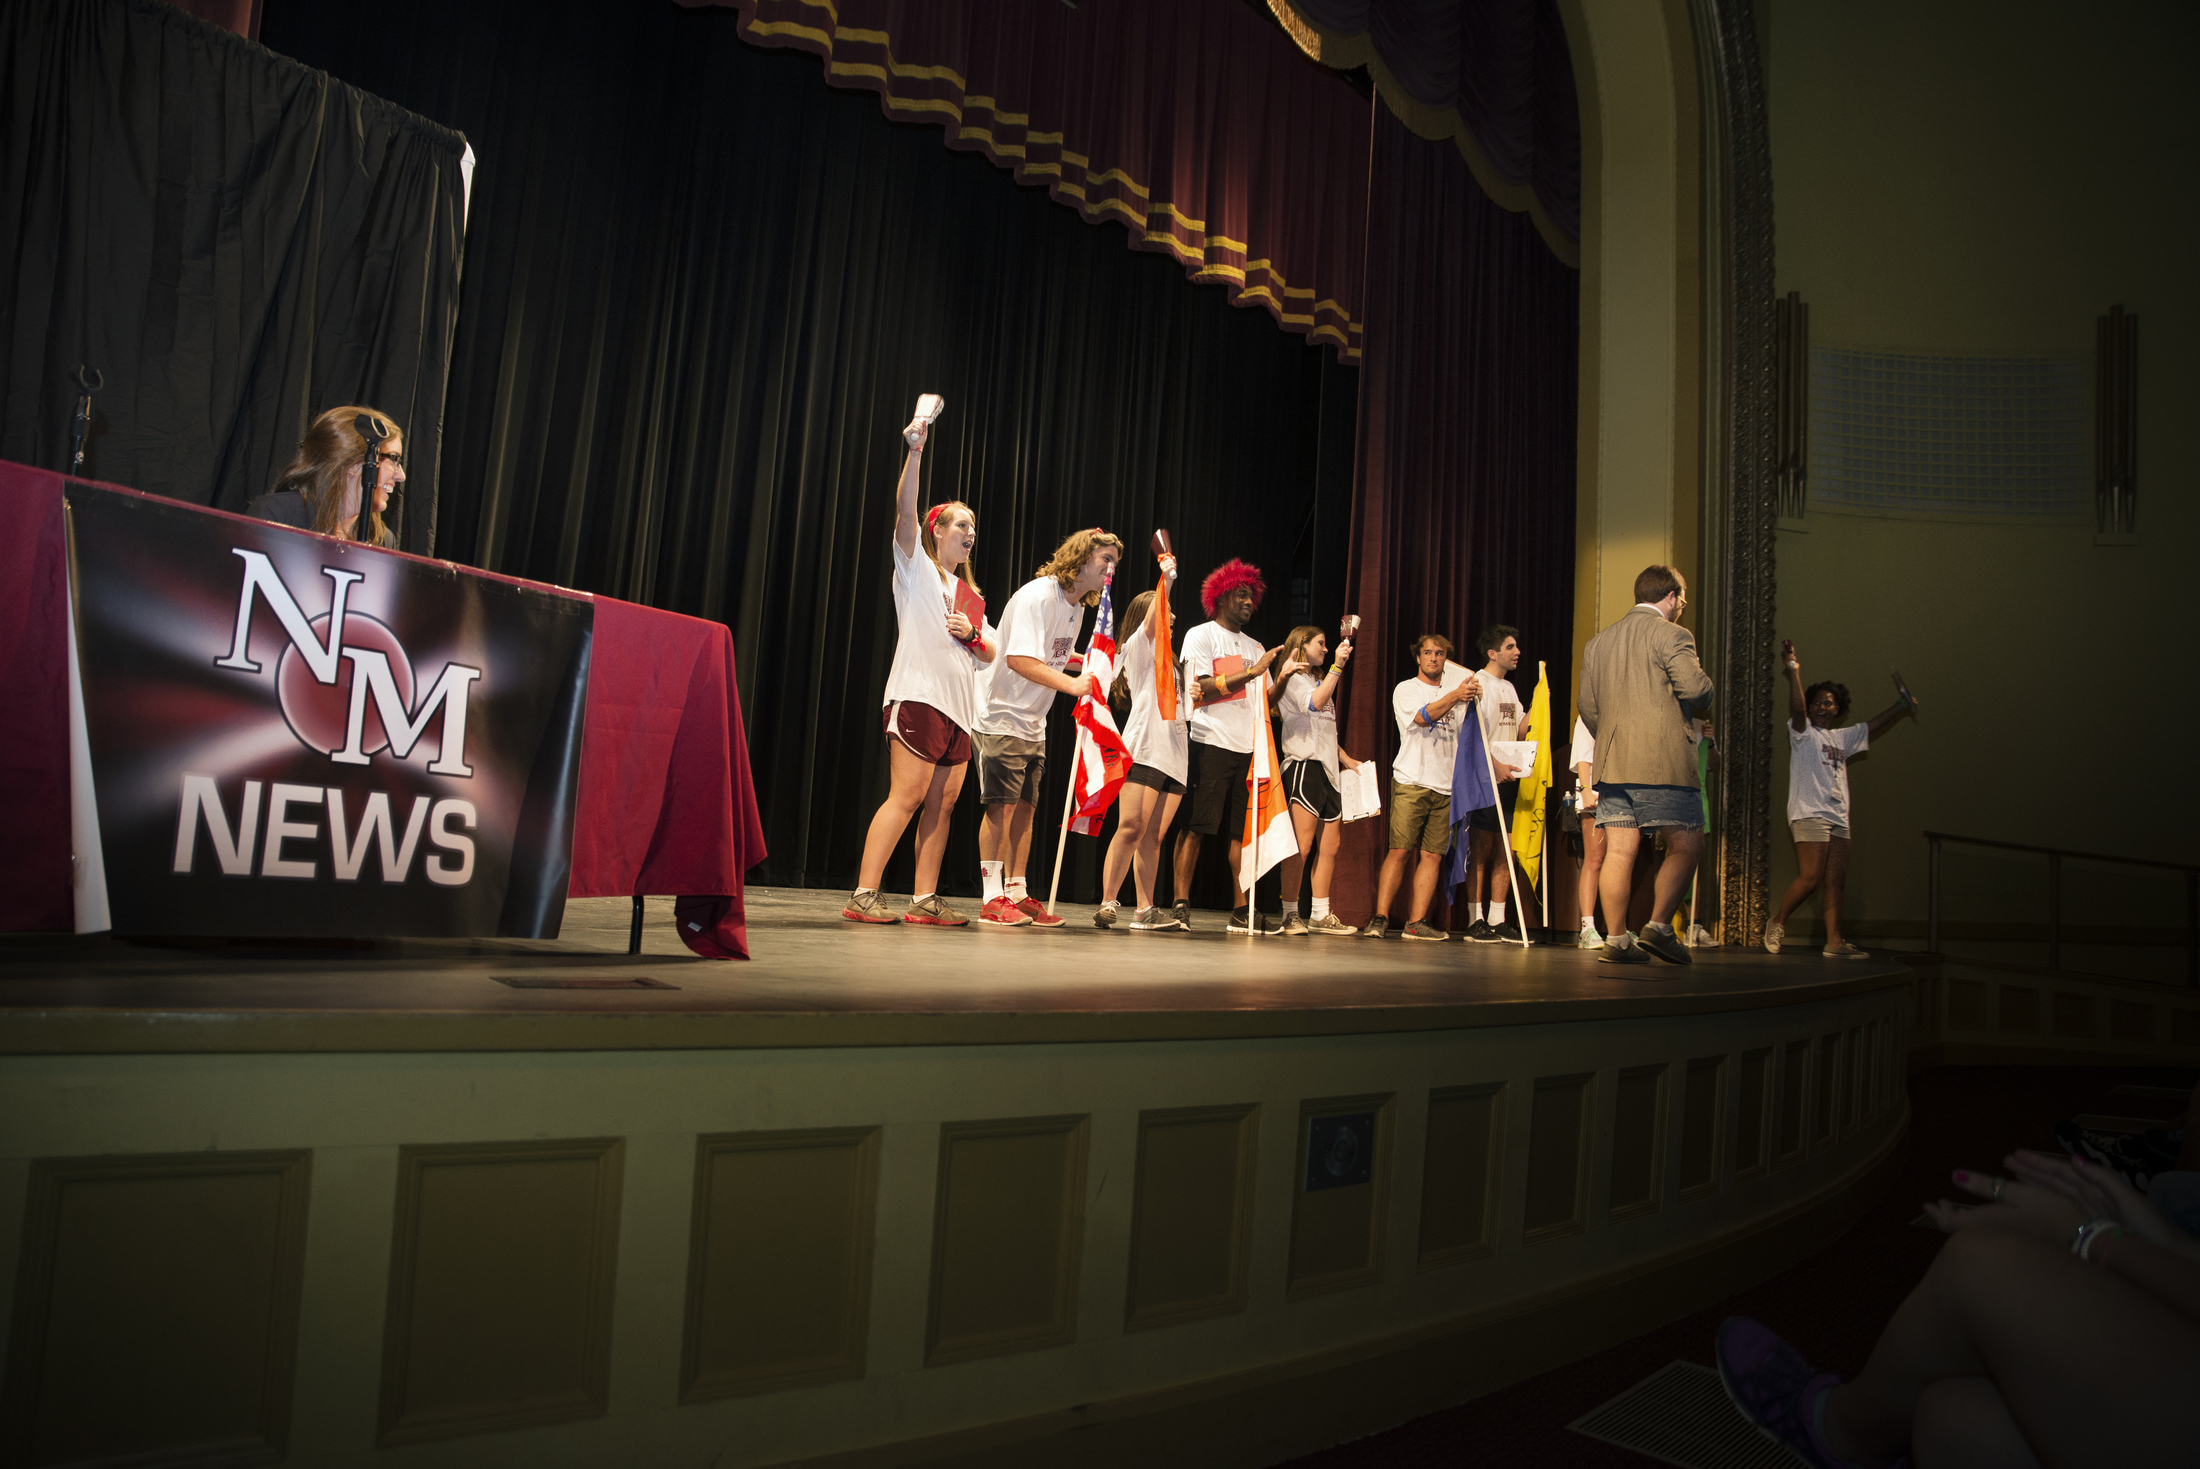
[931, 542]
[1134, 617]
[331, 447]
[1300, 637]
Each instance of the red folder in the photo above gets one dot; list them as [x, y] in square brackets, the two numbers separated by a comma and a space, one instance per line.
[1228, 663]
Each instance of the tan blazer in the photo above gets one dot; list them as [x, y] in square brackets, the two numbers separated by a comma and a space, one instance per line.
[1640, 682]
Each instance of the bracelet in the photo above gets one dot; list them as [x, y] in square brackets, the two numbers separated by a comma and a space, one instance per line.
[2081, 1243]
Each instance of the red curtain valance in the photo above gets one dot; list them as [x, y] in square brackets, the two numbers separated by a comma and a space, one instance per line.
[1198, 126]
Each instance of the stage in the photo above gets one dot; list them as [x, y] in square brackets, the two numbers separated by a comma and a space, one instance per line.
[887, 1195]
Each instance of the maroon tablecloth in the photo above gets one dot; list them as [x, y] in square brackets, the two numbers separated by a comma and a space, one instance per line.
[666, 803]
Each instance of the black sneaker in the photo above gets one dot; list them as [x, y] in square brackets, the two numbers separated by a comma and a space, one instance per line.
[1239, 922]
[1632, 954]
[1507, 932]
[1376, 928]
[1480, 932]
[1182, 913]
[1666, 945]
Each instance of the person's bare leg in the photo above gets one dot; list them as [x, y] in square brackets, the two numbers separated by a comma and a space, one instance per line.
[1962, 1423]
[1187, 862]
[1592, 864]
[1131, 811]
[1499, 864]
[1617, 874]
[939, 802]
[2093, 1371]
[1237, 856]
[1683, 845]
[1392, 877]
[1019, 840]
[1325, 859]
[908, 780]
[1424, 884]
[1837, 879]
[1303, 825]
[1149, 849]
[993, 833]
[1810, 864]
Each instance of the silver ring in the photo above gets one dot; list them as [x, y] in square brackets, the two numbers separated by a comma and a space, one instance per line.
[1999, 1185]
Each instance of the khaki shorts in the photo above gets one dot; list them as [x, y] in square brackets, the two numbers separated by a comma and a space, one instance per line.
[1009, 769]
[1419, 818]
[1817, 829]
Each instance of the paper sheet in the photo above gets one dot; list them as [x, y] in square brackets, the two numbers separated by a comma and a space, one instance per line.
[1361, 791]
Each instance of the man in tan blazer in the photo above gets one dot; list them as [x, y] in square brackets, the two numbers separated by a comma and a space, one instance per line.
[1641, 687]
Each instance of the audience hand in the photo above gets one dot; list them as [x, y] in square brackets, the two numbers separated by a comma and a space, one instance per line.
[2023, 1208]
[2100, 1192]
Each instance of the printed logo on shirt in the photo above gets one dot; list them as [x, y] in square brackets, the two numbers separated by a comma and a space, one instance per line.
[1062, 648]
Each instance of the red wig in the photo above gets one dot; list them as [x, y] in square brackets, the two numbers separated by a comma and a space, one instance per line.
[1227, 578]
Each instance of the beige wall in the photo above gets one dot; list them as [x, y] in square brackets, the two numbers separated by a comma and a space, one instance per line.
[1974, 177]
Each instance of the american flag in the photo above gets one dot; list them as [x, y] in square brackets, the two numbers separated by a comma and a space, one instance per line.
[1102, 761]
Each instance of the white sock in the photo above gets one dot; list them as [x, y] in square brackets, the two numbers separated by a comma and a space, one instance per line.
[1474, 912]
[866, 892]
[1111, 905]
[992, 871]
[1016, 890]
[1621, 939]
[1588, 924]
[1665, 928]
[919, 898]
[1497, 914]
[1321, 908]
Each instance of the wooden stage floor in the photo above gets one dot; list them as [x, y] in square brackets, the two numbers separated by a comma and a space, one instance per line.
[817, 981]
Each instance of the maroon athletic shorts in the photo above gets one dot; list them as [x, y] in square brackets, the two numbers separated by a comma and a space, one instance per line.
[925, 732]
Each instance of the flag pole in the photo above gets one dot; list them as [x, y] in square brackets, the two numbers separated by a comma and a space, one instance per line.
[1543, 888]
[1504, 833]
[1061, 845]
[1252, 813]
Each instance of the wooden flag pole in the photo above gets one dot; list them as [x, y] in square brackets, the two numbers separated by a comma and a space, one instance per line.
[1504, 833]
[1069, 797]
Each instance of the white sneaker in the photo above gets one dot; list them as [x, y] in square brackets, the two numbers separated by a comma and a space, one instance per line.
[1775, 933]
[1590, 939]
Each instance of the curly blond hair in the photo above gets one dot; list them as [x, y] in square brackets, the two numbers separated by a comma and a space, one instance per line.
[1070, 557]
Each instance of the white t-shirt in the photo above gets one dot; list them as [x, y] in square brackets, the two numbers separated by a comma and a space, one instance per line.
[1040, 622]
[1500, 708]
[1584, 751]
[1233, 721]
[1426, 752]
[1165, 744]
[930, 667]
[1308, 733]
[1818, 770]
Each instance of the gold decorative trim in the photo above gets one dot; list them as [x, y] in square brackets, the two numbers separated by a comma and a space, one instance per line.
[912, 92]
[1437, 125]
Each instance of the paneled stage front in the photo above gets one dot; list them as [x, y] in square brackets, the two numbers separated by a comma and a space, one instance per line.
[886, 1195]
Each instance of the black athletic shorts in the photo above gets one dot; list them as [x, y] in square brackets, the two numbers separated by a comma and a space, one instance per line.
[1154, 778]
[1486, 818]
[1307, 783]
[1218, 790]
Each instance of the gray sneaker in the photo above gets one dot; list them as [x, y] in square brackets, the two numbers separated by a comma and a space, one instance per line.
[935, 912]
[1183, 915]
[1154, 920]
[1775, 935]
[1293, 923]
[1426, 932]
[1377, 926]
[1107, 915]
[1590, 939]
[1333, 926]
[866, 908]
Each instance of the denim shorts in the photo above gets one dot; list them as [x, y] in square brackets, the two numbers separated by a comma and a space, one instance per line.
[1648, 806]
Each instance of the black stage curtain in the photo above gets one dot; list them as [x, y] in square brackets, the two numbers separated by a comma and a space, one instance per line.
[1465, 508]
[703, 292]
[234, 241]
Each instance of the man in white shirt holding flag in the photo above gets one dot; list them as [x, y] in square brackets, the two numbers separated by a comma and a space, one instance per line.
[1101, 761]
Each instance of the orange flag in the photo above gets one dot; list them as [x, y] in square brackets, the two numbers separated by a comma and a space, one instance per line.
[1164, 657]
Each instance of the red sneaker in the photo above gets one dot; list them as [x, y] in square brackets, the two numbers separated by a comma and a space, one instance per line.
[1035, 913]
[1001, 913]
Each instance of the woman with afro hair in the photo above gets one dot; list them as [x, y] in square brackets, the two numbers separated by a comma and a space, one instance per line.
[1220, 665]
[1818, 798]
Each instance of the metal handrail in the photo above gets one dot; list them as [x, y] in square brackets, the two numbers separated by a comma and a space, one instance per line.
[2055, 856]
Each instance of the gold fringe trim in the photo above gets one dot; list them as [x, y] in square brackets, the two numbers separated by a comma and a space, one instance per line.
[1437, 125]
[912, 93]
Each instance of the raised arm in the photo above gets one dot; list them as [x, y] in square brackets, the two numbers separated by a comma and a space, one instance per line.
[1798, 713]
[1160, 601]
[905, 507]
[1327, 688]
[1886, 717]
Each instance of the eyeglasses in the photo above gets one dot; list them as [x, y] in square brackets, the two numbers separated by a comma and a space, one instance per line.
[396, 459]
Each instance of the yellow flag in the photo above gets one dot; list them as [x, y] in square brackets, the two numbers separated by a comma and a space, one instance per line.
[1535, 786]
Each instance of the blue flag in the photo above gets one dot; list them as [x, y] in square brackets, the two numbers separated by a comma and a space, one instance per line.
[1471, 791]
